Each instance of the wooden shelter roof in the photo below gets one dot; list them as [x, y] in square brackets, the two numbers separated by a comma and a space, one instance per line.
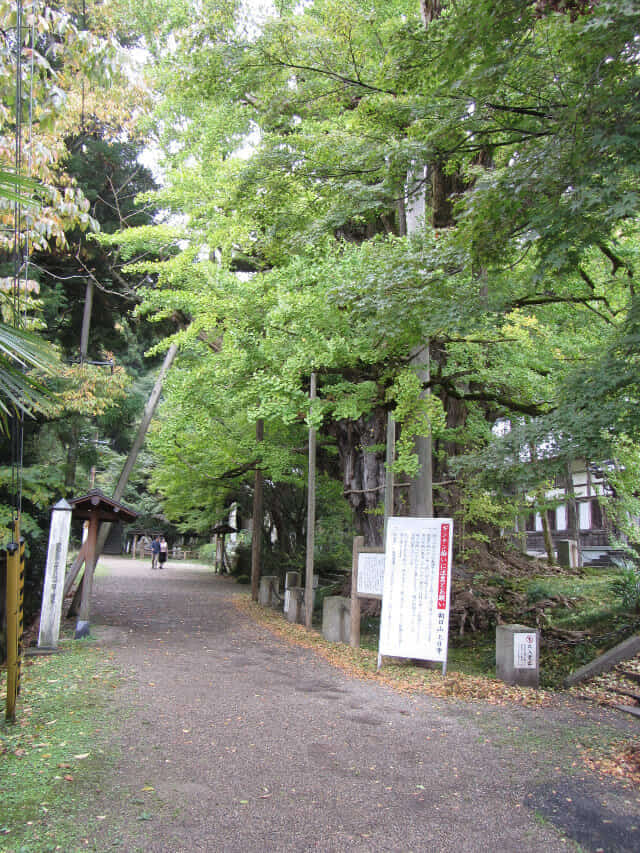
[95, 502]
[223, 528]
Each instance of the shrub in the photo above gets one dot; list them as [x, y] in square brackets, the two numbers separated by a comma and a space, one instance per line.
[627, 586]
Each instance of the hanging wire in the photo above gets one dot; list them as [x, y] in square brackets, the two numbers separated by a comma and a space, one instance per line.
[17, 424]
[21, 248]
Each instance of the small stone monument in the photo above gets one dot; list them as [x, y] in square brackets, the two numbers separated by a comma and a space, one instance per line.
[336, 618]
[295, 613]
[291, 579]
[269, 586]
[518, 654]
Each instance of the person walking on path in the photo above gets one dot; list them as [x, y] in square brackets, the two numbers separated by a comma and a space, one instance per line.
[155, 552]
[164, 551]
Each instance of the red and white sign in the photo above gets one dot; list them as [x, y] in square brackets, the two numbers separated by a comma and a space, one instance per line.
[417, 588]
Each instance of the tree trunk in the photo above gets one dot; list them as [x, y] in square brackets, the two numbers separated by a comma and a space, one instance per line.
[363, 470]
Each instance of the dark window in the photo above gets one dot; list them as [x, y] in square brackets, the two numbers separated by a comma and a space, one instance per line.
[596, 516]
[551, 519]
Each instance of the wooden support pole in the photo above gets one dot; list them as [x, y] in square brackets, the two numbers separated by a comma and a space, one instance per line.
[388, 475]
[13, 571]
[354, 639]
[138, 442]
[74, 569]
[256, 535]
[87, 580]
[421, 488]
[86, 320]
[311, 514]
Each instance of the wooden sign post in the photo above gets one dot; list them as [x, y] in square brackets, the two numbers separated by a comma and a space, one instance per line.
[367, 573]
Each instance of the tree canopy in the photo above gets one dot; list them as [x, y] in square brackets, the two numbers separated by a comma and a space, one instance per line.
[458, 176]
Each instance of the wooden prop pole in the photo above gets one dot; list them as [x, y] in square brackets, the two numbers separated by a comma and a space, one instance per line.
[311, 514]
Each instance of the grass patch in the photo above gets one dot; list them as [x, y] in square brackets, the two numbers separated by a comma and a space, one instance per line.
[54, 755]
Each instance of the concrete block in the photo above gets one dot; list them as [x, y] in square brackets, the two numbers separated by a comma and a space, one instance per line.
[336, 618]
[518, 655]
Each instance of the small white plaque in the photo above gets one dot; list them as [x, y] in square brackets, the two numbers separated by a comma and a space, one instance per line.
[525, 651]
[370, 574]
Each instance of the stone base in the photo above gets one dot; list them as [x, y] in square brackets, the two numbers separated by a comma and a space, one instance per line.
[513, 665]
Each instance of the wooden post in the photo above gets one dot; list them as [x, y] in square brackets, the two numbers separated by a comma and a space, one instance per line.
[421, 488]
[82, 625]
[311, 513]
[388, 475]
[75, 567]
[86, 320]
[13, 569]
[354, 639]
[256, 534]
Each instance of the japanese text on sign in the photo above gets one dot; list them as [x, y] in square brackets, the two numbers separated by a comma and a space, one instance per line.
[416, 588]
[525, 652]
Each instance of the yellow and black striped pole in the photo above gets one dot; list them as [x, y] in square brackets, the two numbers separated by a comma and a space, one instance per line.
[15, 599]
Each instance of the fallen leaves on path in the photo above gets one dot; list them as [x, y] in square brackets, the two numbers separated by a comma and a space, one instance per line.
[621, 761]
[362, 663]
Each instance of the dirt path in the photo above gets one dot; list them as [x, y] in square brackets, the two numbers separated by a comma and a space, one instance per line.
[232, 740]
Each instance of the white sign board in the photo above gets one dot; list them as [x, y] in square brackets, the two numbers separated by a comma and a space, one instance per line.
[417, 587]
[370, 574]
[54, 576]
[525, 651]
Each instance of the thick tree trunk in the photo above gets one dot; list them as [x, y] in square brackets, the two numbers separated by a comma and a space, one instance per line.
[363, 471]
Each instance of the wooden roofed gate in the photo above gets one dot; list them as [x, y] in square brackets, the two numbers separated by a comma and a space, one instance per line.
[96, 508]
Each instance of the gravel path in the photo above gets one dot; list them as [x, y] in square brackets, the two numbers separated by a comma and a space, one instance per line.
[233, 740]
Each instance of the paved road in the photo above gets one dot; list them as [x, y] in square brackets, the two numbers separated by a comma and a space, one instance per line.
[250, 744]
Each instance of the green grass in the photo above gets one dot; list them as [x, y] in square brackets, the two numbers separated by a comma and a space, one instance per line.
[52, 757]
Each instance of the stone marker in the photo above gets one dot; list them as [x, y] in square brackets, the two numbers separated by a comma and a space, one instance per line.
[291, 579]
[296, 613]
[517, 655]
[336, 618]
[269, 586]
[52, 596]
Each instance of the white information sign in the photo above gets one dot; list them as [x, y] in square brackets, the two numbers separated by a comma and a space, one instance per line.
[370, 574]
[54, 576]
[525, 651]
[417, 586]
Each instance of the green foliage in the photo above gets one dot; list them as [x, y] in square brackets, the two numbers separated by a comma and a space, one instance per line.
[288, 149]
[627, 586]
[622, 477]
